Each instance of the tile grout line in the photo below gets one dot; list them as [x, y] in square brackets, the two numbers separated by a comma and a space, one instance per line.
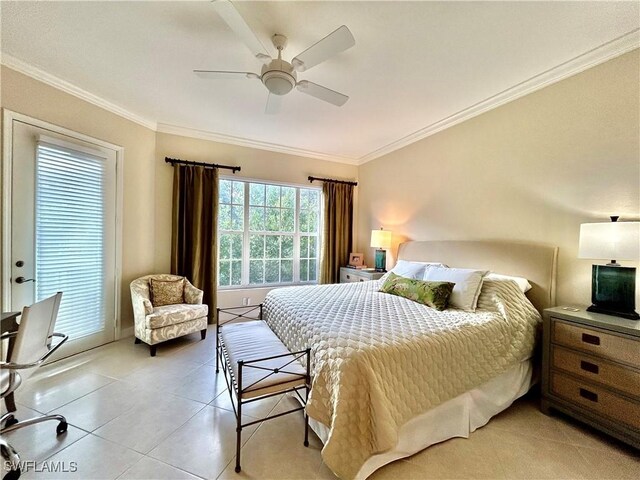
[251, 436]
[67, 403]
[159, 442]
[160, 461]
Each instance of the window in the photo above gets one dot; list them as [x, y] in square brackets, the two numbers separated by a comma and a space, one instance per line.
[268, 234]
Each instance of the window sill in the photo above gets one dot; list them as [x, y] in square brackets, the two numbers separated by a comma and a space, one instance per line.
[264, 286]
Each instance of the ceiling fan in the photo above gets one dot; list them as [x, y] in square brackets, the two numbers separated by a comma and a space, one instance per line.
[278, 75]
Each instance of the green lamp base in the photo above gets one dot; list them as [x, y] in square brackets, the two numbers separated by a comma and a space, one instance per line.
[613, 289]
[381, 260]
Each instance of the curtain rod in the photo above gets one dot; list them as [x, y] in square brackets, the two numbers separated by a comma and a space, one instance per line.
[174, 161]
[331, 180]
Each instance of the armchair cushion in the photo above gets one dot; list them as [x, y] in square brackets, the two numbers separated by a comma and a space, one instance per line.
[174, 314]
[166, 292]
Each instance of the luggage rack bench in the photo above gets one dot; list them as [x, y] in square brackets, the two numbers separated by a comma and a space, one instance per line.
[272, 370]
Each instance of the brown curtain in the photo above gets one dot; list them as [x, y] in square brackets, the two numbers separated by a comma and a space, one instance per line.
[194, 241]
[338, 230]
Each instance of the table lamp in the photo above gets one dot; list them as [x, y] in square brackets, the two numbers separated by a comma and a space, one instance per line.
[613, 287]
[381, 240]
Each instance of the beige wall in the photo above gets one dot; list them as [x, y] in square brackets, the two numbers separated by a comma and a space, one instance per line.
[25, 95]
[531, 170]
[257, 164]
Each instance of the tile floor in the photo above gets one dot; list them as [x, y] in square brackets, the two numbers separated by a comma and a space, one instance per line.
[136, 417]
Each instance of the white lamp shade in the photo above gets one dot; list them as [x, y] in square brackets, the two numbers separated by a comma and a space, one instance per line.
[610, 241]
[381, 239]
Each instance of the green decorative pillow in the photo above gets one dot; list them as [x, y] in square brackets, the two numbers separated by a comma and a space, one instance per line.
[433, 294]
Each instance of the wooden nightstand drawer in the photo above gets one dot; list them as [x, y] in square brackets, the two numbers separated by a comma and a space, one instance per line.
[596, 398]
[619, 377]
[591, 370]
[596, 342]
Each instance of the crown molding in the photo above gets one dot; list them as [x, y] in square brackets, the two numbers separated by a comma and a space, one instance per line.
[60, 84]
[246, 142]
[34, 72]
[596, 56]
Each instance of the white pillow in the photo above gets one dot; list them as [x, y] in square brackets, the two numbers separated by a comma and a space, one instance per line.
[408, 269]
[522, 282]
[466, 290]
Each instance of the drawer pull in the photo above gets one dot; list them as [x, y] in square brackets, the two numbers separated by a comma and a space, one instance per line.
[589, 367]
[362, 279]
[593, 397]
[349, 277]
[592, 339]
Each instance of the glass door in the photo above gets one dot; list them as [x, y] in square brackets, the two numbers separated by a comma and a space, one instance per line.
[63, 232]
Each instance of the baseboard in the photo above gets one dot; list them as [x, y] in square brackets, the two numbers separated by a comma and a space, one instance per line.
[125, 332]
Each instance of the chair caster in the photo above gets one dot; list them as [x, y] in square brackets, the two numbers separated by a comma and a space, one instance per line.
[306, 443]
[10, 459]
[238, 469]
[12, 475]
[11, 420]
[61, 428]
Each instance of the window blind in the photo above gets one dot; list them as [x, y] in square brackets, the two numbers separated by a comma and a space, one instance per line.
[70, 230]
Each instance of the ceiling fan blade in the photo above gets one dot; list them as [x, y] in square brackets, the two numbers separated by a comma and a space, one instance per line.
[264, 58]
[234, 20]
[220, 74]
[338, 41]
[323, 93]
[274, 102]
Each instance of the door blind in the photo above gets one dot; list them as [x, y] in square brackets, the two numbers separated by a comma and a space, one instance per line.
[70, 233]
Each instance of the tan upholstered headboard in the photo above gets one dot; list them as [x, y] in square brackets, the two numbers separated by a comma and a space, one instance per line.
[537, 263]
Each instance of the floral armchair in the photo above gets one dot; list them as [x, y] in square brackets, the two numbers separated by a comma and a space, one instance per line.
[154, 325]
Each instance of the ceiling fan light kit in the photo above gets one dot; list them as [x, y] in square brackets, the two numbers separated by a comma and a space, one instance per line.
[278, 82]
[278, 75]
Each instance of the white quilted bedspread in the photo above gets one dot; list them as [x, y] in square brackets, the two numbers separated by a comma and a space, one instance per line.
[379, 360]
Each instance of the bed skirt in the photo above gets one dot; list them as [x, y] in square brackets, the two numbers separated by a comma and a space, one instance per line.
[457, 417]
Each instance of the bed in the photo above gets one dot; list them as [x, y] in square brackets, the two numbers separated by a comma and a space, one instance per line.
[391, 376]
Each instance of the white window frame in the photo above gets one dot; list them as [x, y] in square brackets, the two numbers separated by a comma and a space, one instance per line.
[8, 119]
[244, 283]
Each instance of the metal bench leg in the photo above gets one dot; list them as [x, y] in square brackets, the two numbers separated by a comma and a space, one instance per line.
[306, 430]
[239, 417]
[217, 340]
[306, 387]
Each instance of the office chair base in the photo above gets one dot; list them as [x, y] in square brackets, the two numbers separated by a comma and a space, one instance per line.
[12, 475]
[60, 429]
[11, 461]
[8, 420]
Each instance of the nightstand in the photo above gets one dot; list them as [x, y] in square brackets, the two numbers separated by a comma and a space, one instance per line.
[349, 275]
[591, 370]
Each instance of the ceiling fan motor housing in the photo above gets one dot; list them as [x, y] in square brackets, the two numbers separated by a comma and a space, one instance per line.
[279, 77]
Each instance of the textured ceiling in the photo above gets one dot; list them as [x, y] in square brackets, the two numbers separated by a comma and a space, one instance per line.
[414, 63]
